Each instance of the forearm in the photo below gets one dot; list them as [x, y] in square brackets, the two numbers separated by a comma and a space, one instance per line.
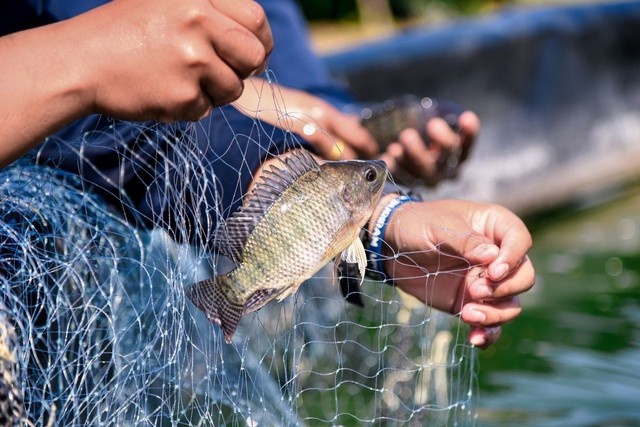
[42, 86]
[293, 46]
[135, 60]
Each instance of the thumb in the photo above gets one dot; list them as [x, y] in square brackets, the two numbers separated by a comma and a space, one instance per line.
[349, 129]
[482, 252]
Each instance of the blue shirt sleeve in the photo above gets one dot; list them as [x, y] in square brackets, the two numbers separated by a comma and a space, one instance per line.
[18, 15]
[182, 177]
[65, 9]
[137, 166]
[293, 61]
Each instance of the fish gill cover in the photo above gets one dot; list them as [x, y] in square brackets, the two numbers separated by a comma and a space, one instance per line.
[95, 328]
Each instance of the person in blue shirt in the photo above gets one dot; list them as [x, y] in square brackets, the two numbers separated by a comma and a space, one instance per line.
[153, 60]
[311, 75]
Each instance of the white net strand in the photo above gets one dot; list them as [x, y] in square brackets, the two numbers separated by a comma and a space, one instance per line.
[104, 335]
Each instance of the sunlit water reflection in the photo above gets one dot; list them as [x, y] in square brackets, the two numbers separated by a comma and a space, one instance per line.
[573, 357]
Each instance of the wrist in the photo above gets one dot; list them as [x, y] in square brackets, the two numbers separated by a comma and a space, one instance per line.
[40, 88]
[378, 245]
[66, 66]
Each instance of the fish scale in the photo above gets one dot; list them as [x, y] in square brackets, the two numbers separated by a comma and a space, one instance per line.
[300, 217]
[293, 234]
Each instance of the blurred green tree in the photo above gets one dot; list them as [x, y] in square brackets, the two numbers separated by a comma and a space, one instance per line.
[350, 10]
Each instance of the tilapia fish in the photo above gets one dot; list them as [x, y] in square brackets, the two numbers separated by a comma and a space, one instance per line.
[297, 219]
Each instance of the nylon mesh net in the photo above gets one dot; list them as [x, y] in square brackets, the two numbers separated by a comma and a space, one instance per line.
[95, 328]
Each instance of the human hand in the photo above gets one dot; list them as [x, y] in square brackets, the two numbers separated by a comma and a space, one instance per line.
[464, 258]
[438, 160]
[170, 60]
[131, 59]
[334, 135]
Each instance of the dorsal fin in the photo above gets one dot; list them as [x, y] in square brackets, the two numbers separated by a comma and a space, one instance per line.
[230, 239]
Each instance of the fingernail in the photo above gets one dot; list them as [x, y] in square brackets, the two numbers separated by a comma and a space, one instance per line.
[477, 340]
[481, 249]
[481, 289]
[474, 316]
[500, 271]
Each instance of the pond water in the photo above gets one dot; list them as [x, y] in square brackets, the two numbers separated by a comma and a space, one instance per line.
[573, 356]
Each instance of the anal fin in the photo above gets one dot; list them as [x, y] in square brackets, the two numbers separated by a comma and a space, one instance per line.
[259, 299]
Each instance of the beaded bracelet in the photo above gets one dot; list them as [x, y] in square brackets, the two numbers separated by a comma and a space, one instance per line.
[374, 268]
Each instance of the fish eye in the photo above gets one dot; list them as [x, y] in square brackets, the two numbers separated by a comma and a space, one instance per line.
[370, 175]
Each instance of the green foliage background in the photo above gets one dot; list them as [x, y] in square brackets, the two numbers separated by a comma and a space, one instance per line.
[341, 10]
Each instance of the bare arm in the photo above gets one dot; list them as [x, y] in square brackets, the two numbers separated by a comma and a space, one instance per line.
[336, 135]
[133, 59]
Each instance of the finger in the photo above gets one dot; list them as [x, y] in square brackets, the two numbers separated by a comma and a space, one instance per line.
[418, 160]
[354, 134]
[520, 280]
[484, 338]
[197, 109]
[331, 148]
[480, 250]
[236, 45]
[469, 125]
[441, 134]
[491, 314]
[220, 83]
[327, 145]
[510, 233]
[392, 156]
[249, 15]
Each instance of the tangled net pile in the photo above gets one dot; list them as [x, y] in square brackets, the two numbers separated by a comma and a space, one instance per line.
[95, 329]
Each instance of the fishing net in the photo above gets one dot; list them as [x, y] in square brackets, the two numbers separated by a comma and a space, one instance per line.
[95, 328]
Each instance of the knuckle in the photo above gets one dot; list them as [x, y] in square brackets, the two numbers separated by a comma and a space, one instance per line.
[249, 56]
[185, 99]
[258, 24]
[194, 56]
[194, 16]
[235, 92]
[256, 56]
[256, 17]
[229, 91]
[191, 16]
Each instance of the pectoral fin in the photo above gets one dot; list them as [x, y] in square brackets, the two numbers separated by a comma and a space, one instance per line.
[355, 254]
[350, 280]
[259, 299]
[351, 264]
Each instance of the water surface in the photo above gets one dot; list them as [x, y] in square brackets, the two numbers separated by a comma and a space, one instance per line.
[573, 357]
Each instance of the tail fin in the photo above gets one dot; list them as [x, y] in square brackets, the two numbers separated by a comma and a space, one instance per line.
[210, 298]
